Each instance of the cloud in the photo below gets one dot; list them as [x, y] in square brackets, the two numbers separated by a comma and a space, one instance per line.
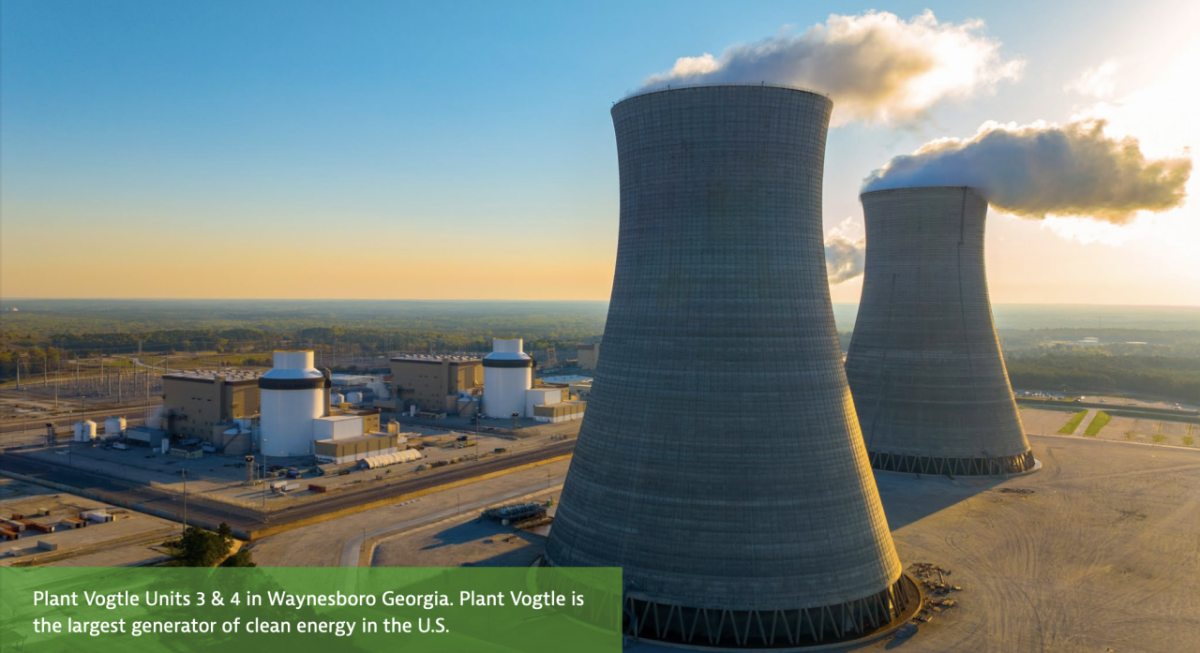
[876, 67]
[1098, 82]
[844, 258]
[1042, 169]
[845, 255]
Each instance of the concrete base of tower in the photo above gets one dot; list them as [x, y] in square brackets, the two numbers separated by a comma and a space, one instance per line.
[941, 466]
[802, 629]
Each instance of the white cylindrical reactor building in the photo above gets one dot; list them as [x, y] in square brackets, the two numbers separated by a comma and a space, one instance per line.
[292, 396]
[507, 374]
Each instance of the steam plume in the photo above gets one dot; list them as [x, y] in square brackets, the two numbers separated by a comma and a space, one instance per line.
[876, 67]
[844, 258]
[1041, 169]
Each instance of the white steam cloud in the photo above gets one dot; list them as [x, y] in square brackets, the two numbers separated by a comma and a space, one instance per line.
[844, 258]
[876, 67]
[1043, 169]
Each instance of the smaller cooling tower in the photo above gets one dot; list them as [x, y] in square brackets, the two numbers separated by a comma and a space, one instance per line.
[507, 374]
[925, 368]
[293, 395]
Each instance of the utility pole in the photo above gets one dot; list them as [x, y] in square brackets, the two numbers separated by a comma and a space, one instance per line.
[262, 446]
[184, 472]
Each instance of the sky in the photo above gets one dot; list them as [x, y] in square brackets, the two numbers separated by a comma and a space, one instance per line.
[465, 150]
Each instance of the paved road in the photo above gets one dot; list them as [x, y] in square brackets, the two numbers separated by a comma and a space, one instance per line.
[211, 513]
[352, 551]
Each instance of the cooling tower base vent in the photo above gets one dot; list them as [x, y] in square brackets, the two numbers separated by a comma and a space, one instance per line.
[773, 630]
[894, 462]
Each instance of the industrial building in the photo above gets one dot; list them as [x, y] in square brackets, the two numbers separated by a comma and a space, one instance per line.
[433, 383]
[587, 356]
[509, 388]
[924, 363]
[735, 528]
[507, 375]
[196, 401]
[348, 450]
[293, 395]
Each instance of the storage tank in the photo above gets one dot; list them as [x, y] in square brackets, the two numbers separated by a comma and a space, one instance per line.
[354, 398]
[735, 527]
[114, 426]
[336, 399]
[85, 431]
[507, 374]
[292, 396]
[924, 362]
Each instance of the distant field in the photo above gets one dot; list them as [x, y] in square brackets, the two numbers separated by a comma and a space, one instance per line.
[1073, 423]
[1115, 427]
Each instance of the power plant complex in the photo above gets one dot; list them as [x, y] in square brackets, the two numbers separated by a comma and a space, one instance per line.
[924, 365]
[720, 462]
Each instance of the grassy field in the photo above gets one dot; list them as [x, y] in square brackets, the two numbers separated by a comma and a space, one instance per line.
[1098, 422]
[1073, 424]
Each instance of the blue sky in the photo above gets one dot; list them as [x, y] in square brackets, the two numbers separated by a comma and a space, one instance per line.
[191, 135]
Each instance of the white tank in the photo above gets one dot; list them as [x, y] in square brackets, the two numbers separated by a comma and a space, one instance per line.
[354, 398]
[336, 399]
[114, 426]
[85, 431]
[507, 374]
[292, 396]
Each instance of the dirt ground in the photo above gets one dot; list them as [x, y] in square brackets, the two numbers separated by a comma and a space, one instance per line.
[1097, 551]
[1101, 554]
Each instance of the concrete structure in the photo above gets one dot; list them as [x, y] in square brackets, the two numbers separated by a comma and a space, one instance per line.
[587, 356]
[349, 450]
[539, 396]
[561, 412]
[434, 383]
[736, 528]
[507, 374]
[337, 427]
[195, 401]
[148, 436]
[293, 394]
[925, 367]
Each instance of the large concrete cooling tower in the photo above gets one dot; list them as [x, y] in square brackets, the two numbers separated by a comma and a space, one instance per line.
[924, 365]
[720, 461]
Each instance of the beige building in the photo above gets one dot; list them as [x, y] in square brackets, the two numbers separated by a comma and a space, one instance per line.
[588, 355]
[193, 402]
[560, 412]
[433, 383]
[351, 449]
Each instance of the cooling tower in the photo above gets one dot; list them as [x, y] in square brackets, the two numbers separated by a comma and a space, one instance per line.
[924, 365]
[720, 461]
